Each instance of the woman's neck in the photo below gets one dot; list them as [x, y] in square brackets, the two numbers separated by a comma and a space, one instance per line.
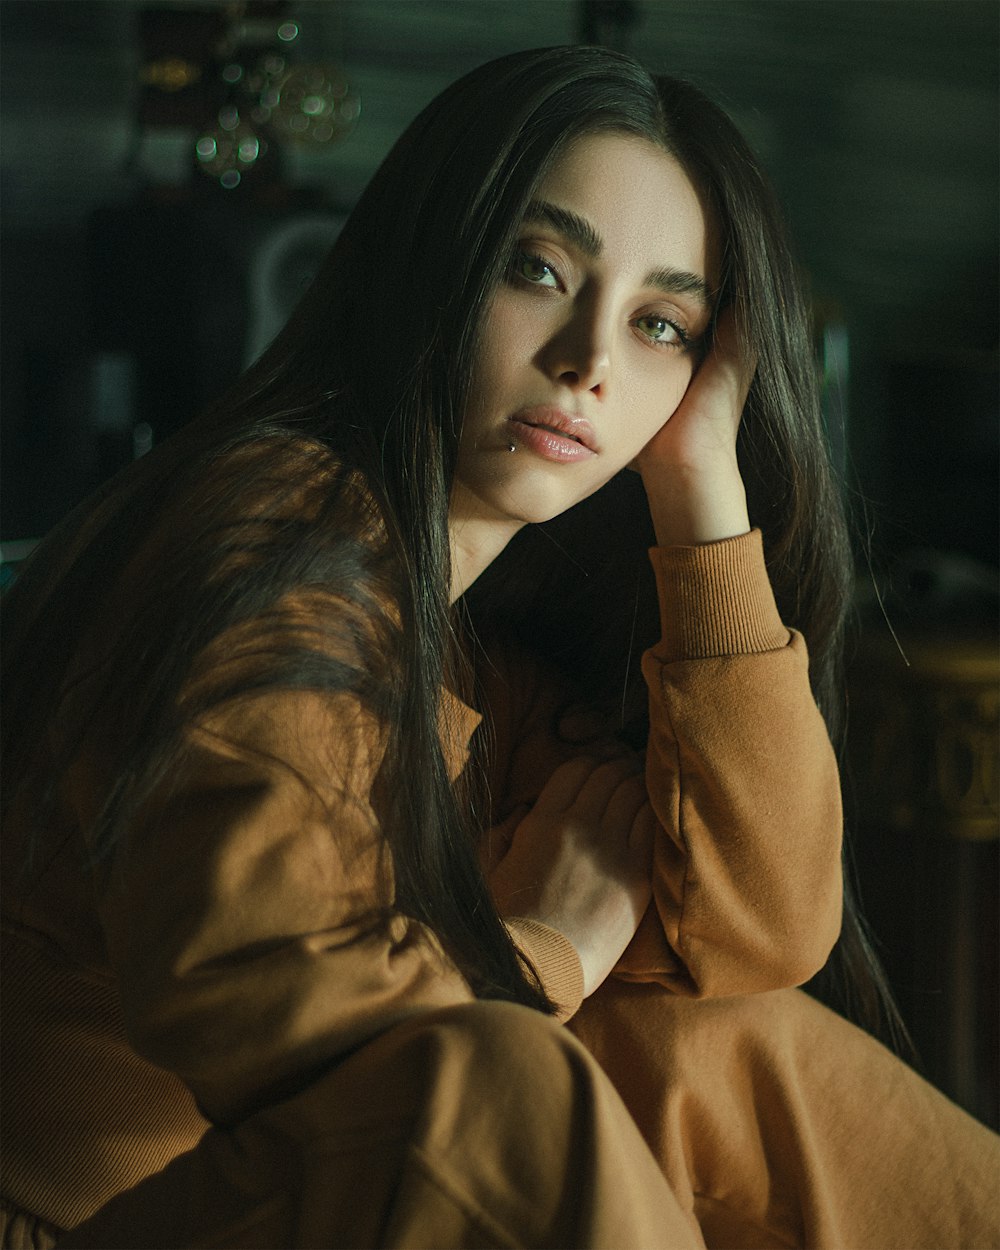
[475, 544]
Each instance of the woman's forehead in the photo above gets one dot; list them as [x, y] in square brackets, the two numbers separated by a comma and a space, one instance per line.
[624, 197]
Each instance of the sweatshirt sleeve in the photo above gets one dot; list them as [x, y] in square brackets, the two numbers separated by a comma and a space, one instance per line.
[740, 773]
[244, 912]
[743, 779]
[553, 959]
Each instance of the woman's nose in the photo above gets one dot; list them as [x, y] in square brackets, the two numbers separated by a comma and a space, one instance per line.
[578, 355]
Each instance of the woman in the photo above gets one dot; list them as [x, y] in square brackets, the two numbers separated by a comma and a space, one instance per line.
[268, 872]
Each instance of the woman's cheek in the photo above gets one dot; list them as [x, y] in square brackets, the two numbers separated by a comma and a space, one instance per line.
[667, 400]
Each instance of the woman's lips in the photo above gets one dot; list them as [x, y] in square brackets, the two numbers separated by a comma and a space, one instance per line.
[554, 434]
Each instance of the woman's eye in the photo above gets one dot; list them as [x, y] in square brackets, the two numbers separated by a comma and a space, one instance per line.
[534, 270]
[661, 330]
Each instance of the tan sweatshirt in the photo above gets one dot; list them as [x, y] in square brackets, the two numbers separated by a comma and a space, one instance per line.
[230, 957]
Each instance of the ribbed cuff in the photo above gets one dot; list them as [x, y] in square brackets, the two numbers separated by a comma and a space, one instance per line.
[716, 600]
[554, 959]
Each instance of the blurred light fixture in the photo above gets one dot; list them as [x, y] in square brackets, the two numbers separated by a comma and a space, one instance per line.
[176, 79]
[170, 73]
[230, 149]
[314, 104]
[230, 74]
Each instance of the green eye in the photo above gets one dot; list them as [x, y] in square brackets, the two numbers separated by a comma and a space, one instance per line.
[661, 331]
[535, 270]
[657, 328]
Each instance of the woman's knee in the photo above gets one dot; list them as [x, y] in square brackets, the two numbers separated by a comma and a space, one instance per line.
[517, 1115]
[499, 1052]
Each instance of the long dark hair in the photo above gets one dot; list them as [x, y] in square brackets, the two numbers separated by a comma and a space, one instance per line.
[327, 470]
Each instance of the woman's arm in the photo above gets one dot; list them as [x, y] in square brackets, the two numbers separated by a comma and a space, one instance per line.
[740, 772]
[746, 877]
[241, 913]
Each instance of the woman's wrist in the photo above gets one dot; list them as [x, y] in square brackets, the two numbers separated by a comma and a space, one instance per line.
[693, 506]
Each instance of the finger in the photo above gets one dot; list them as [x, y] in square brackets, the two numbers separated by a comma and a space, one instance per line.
[564, 786]
[642, 835]
[731, 350]
[596, 793]
[623, 806]
[495, 842]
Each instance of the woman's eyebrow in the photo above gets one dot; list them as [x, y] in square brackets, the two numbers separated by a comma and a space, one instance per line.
[577, 229]
[582, 235]
[681, 282]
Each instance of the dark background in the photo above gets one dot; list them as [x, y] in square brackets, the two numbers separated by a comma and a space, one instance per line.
[876, 118]
[134, 288]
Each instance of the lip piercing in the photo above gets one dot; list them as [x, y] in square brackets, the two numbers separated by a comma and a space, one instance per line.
[512, 447]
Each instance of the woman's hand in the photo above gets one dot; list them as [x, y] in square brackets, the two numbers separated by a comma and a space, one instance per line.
[580, 860]
[689, 468]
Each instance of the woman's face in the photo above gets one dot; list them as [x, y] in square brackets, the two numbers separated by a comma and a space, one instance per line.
[593, 336]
